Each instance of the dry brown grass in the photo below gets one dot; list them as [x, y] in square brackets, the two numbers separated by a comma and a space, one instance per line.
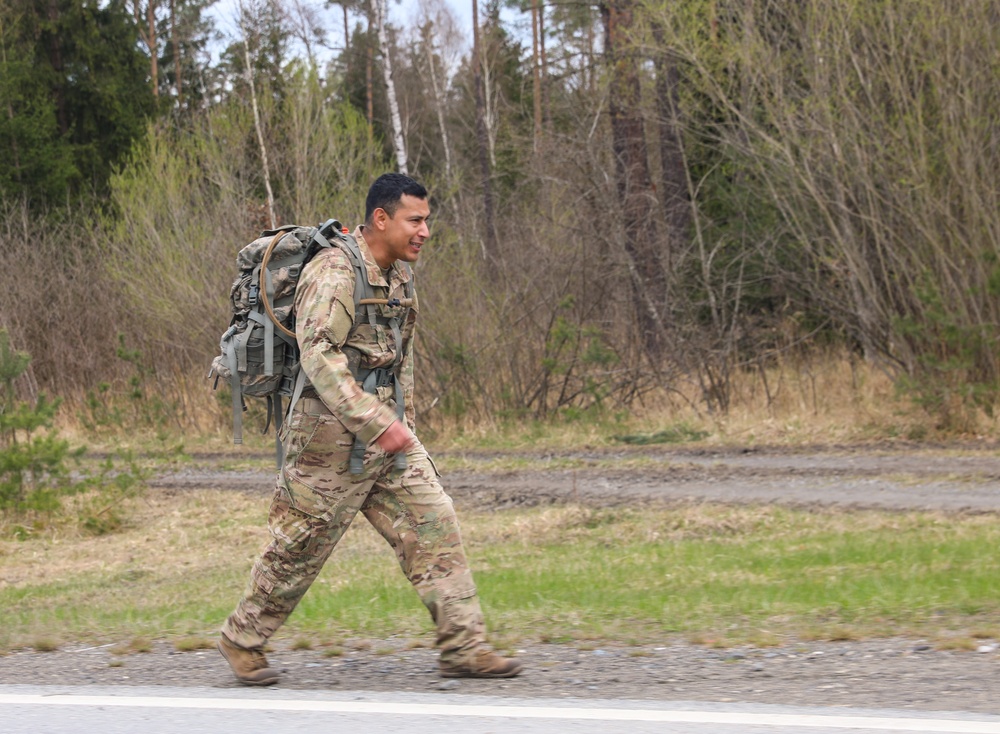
[132, 647]
[956, 642]
[827, 397]
[167, 530]
[818, 397]
[190, 644]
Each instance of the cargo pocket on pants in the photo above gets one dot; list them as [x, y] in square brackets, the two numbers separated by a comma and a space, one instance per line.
[297, 519]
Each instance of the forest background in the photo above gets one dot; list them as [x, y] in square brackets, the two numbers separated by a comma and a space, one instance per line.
[671, 209]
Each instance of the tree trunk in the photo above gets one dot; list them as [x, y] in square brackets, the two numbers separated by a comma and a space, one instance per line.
[490, 254]
[177, 52]
[439, 108]
[544, 71]
[305, 20]
[536, 73]
[398, 144]
[635, 190]
[151, 41]
[259, 128]
[590, 65]
[369, 89]
[347, 41]
[674, 195]
[148, 36]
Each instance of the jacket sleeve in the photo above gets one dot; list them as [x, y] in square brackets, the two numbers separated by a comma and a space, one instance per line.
[324, 308]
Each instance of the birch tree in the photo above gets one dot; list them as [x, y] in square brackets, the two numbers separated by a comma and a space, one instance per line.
[398, 144]
[438, 44]
[244, 27]
[490, 253]
[304, 20]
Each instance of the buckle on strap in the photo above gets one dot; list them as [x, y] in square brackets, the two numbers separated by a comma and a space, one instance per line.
[376, 378]
[370, 381]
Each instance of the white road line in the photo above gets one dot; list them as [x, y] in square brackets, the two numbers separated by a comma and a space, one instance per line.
[959, 726]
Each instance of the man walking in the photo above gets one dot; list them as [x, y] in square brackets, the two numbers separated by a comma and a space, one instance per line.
[358, 374]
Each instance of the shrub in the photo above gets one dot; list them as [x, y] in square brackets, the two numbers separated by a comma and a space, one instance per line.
[35, 473]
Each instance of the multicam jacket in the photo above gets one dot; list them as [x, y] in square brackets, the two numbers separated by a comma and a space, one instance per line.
[331, 344]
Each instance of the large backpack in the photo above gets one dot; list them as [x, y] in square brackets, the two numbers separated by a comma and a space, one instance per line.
[259, 354]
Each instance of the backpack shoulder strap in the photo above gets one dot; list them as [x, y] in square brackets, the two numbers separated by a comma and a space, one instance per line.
[397, 322]
[333, 234]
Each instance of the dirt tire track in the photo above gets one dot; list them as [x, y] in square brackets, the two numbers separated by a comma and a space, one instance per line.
[962, 479]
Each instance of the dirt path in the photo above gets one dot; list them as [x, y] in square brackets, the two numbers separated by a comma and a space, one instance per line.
[952, 479]
[897, 673]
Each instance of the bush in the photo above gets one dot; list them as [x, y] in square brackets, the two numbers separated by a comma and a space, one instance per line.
[35, 475]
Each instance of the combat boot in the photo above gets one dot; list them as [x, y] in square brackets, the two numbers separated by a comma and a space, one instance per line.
[483, 663]
[249, 666]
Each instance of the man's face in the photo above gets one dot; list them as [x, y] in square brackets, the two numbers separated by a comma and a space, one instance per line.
[402, 235]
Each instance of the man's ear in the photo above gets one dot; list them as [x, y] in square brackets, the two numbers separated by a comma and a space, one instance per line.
[379, 218]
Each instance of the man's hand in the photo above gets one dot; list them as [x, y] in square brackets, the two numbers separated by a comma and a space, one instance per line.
[396, 438]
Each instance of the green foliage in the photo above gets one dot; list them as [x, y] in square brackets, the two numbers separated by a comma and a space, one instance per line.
[952, 378]
[191, 35]
[456, 377]
[74, 94]
[99, 411]
[354, 85]
[679, 433]
[261, 27]
[39, 162]
[35, 470]
[105, 510]
[138, 406]
[574, 366]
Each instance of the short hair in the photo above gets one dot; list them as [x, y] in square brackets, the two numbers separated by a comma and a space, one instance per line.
[388, 190]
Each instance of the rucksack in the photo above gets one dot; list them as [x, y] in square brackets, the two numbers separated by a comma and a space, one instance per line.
[259, 354]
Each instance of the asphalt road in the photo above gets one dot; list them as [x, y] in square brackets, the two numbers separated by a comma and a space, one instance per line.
[164, 710]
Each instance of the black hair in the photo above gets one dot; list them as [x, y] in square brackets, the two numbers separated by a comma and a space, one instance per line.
[388, 190]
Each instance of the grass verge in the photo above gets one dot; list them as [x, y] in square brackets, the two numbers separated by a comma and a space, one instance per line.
[711, 574]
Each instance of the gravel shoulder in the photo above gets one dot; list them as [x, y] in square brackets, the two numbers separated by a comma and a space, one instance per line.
[896, 673]
[892, 673]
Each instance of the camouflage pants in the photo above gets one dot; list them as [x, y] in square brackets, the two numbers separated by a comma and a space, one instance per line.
[316, 499]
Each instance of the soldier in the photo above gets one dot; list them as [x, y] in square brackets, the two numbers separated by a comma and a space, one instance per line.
[318, 493]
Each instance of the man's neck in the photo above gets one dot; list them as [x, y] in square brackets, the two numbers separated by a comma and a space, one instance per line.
[375, 247]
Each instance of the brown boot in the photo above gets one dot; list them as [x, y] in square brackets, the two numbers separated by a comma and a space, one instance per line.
[483, 663]
[249, 666]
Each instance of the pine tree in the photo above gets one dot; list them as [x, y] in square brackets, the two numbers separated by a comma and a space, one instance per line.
[73, 96]
[33, 469]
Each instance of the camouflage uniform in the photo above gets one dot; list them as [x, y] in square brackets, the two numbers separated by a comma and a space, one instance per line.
[316, 497]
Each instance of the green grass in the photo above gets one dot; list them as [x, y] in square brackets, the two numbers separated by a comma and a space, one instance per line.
[715, 574]
[754, 578]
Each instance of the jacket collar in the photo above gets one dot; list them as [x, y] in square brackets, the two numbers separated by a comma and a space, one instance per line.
[398, 272]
